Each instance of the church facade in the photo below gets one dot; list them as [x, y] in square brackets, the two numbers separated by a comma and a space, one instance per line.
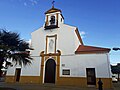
[61, 58]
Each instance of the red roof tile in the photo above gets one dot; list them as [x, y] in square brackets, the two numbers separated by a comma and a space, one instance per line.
[83, 49]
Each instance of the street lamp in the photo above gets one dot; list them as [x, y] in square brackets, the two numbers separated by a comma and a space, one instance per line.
[118, 65]
[116, 49]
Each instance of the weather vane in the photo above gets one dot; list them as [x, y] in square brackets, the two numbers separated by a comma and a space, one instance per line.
[53, 3]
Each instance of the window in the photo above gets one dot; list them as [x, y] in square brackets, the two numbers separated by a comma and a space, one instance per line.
[66, 72]
[63, 65]
[52, 21]
[61, 19]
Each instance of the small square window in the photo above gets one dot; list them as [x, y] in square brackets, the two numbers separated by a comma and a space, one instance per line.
[63, 65]
[61, 19]
[66, 72]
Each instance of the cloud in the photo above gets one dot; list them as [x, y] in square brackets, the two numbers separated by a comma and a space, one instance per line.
[82, 33]
[34, 2]
[30, 2]
[25, 4]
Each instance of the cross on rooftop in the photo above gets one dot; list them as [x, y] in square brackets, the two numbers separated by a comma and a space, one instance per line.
[53, 3]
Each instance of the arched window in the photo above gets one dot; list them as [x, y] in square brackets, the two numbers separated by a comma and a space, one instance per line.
[52, 21]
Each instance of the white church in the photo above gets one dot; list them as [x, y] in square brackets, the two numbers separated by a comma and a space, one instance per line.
[61, 57]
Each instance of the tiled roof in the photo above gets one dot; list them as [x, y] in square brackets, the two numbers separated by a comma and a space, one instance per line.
[83, 49]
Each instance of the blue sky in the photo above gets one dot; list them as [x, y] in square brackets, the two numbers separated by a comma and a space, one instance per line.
[97, 20]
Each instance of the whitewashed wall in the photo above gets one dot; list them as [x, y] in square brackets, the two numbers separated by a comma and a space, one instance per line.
[29, 70]
[78, 64]
[67, 41]
[33, 69]
[11, 71]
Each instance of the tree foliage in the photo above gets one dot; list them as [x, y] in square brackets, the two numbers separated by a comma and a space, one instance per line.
[13, 48]
[116, 70]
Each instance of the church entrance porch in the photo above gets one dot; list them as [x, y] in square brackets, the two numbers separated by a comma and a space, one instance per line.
[50, 71]
[50, 67]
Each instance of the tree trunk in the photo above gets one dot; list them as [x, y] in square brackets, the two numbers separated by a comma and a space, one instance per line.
[1, 63]
[0, 69]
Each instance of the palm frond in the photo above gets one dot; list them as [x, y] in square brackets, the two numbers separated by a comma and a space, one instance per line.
[12, 47]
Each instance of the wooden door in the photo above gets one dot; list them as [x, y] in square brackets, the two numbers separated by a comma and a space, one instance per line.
[17, 74]
[91, 77]
[50, 71]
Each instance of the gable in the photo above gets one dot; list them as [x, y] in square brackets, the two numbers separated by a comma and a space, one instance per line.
[78, 35]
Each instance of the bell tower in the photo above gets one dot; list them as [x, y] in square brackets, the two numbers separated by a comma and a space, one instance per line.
[53, 18]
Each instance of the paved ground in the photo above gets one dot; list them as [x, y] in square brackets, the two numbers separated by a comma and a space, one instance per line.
[17, 86]
[116, 86]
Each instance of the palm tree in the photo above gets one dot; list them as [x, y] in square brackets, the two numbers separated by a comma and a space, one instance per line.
[13, 48]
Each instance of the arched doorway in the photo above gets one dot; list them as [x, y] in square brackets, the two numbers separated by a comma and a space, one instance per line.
[50, 71]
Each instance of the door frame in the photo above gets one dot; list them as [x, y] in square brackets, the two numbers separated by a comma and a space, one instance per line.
[44, 58]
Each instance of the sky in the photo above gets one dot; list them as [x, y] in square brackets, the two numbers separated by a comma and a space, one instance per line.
[98, 21]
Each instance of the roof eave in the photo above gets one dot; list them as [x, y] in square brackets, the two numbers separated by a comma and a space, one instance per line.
[92, 52]
[54, 10]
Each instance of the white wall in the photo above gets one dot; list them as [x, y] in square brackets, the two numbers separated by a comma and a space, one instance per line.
[67, 41]
[29, 70]
[78, 64]
[33, 69]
